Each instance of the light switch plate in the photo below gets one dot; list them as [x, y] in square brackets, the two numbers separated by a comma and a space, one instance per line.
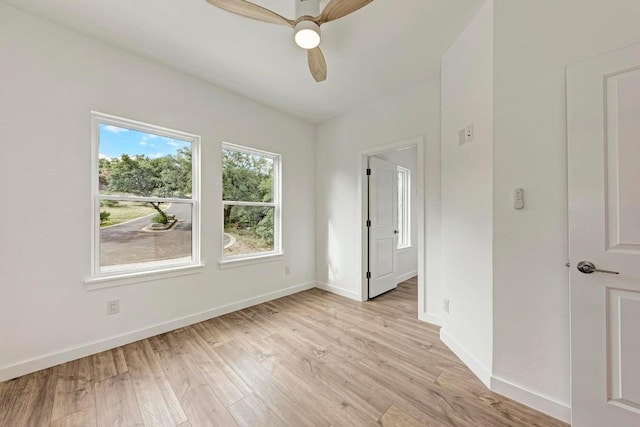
[518, 198]
[468, 133]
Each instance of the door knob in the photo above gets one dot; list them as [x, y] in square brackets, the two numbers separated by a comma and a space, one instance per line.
[587, 267]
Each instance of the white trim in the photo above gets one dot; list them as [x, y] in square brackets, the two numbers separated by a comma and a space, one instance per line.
[419, 143]
[252, 204]
[347, 293]
[248, 150]
[434, 319]
[129, 278]
[276, 204]
[128, 198]
[248, 260]
[406, 276]
[96, 272]
[52, 359]
[547, 405]
[404, 238]
[467, 358]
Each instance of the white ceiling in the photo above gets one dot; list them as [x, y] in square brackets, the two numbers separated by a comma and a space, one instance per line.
[386, 46]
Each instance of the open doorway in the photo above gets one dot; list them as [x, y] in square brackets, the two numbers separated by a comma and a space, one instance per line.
[393, 218]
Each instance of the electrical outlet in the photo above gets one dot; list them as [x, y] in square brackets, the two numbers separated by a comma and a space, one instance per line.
[113, 307]
[468, 133]
[287, 270]
[445, 305]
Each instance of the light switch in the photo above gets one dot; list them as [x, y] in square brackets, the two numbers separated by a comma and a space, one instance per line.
[518, 198]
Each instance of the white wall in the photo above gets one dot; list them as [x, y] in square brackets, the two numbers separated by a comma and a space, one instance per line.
[407, 257]
[396, 117]
[467, 98]
[51, 79]
[534, 41]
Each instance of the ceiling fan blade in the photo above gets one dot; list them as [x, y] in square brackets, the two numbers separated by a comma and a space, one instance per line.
[317, 64]
[251, 10]
[338, 8]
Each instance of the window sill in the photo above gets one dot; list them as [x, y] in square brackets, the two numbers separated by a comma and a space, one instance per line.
[405, 249]
[240, 262]
[141, 276]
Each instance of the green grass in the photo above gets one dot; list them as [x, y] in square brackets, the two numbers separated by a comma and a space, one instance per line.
[126, 211]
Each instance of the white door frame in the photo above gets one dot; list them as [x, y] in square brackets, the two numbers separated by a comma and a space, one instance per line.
[418, 143]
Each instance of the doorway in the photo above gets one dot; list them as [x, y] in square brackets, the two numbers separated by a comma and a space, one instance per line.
[404, 160]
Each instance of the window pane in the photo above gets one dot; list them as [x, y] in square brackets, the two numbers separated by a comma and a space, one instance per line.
[143, 164]
[138, 235]
[401, 202]
[404, 206]
[246, 177]
[248, 230]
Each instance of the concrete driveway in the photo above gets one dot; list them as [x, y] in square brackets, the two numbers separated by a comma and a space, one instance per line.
[127, 244]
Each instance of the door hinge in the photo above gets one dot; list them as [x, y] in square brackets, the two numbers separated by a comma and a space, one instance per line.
[368, 223]
[368, 275]
[368, 171]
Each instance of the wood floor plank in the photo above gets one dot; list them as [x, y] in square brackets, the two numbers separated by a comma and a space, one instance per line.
[200, 403]
[395, 417]
[116, 403]
[108, 364]
[28, 400]
[279, 397]
[305, 361]
[74, 390]
[338, 409]
[225, 383]
[83, 418]
[309, 359]
[210, 333]
[251, 411]
[158, 403]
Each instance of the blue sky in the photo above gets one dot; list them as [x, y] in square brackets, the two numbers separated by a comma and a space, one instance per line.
[116, 141]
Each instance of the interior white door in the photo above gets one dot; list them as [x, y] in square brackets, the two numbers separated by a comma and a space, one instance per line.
[604, 217]
[383, 230]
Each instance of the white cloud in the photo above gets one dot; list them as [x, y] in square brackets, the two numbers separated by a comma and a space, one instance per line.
[156, 155]
[114, 129]
[173, 144]
[143, 142]
[104, 156]
[152, 136]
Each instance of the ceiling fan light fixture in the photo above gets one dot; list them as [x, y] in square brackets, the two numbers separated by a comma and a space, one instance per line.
[307, 34]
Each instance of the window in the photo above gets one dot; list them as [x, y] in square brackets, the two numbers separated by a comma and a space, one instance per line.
[146, 191]
[404, 207]
[251, 202]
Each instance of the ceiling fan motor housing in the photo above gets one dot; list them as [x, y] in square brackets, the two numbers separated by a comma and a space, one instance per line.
[307, 8]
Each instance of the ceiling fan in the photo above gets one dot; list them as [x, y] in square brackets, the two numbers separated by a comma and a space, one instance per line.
[306, 26]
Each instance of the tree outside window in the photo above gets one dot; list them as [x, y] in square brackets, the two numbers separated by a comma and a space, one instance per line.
[146, 197]
[251, 210]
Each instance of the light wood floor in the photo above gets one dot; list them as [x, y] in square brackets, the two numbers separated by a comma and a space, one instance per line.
[311, 359]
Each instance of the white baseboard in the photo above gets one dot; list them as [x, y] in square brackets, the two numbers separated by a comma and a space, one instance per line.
[338, 291]
[467, 358]
[407, 276]
[532, 399]
[520, 394]
[430, 318]
[53, 359]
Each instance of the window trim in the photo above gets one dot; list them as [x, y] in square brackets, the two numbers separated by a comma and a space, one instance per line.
[404, 239]
[133, 275]
[257, 257]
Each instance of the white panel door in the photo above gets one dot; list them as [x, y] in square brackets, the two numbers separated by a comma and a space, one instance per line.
[383, 232]
[604, 222]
